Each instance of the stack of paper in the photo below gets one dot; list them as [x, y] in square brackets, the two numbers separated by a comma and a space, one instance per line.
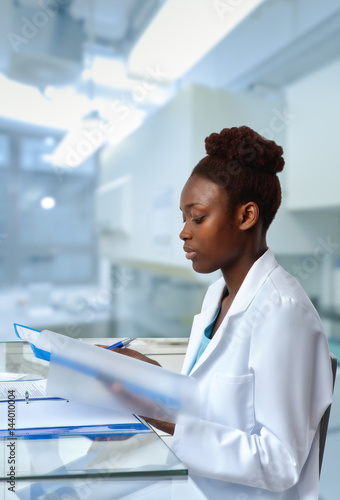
[99, 377]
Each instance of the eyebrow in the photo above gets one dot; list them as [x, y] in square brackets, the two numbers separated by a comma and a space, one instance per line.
[189, 205]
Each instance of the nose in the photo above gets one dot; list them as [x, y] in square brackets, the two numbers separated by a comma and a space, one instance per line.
[185, 234]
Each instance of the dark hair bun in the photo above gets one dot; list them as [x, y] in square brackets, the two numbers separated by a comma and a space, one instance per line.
[248, 148]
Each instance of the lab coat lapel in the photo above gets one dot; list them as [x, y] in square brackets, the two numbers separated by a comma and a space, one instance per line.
[251, 284]
[200, 322]
[213, 344]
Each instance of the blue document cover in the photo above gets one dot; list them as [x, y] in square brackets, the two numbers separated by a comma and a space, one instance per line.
[39, 353]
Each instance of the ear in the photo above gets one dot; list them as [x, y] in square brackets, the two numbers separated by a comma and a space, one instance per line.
[249, 215]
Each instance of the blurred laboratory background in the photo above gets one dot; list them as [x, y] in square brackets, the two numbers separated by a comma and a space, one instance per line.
[104, 107]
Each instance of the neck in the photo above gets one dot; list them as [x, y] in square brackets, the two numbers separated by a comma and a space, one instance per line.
[235, 274]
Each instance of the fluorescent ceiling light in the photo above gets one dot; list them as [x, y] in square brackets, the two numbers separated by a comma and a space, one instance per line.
[92, 133]
[80, 143]
[182, 33]
[27, 104]
[111, 72]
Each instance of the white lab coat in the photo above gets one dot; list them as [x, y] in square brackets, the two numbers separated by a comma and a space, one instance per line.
[265, 381]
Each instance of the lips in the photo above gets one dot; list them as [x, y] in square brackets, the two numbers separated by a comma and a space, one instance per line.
[190, 253]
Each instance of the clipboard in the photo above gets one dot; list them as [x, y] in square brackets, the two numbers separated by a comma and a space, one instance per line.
[92, 432]
[53, 417]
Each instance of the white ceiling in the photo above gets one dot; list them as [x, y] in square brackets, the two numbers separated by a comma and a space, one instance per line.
[51, 46]
[280, 42]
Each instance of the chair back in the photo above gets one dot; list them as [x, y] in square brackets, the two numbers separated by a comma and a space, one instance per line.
[325, 418]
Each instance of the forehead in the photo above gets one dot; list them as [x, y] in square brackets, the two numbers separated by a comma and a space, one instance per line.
[201, 191]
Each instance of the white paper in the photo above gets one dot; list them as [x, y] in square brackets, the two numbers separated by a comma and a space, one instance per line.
[12, 376]
[99, 377]
[35, 389]
[27, 334]
[55, 413]
[89, 374]
[34, 337]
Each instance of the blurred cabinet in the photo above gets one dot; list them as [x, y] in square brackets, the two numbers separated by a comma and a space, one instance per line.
[113, 206]
[313, 146]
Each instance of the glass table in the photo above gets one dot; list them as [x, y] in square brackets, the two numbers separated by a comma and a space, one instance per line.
[126, 464]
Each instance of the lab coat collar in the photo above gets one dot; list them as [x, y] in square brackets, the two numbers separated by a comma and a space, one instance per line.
[254, 279]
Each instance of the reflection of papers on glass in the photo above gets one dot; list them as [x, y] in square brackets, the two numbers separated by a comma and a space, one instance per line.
[137, 456]
[115, 489]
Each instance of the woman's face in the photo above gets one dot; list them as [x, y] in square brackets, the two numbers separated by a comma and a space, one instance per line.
[212, 240]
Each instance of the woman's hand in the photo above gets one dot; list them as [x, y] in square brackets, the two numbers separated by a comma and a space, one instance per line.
[150, 407]
[127, 397]
[167, 427]
[132, 354]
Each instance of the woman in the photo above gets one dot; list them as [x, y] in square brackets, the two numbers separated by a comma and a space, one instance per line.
[257, 349]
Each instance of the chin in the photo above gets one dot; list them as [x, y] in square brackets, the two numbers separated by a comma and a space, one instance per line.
[202, 269]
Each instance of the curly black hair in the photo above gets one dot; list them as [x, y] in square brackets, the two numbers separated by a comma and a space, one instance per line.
[245, 164]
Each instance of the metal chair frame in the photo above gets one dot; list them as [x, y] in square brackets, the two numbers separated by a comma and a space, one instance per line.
[325, 418]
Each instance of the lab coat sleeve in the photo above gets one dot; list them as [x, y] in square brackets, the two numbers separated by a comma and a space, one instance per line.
[289, 358]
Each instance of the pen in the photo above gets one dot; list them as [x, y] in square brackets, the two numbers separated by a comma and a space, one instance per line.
[122, 343]
[27, 396]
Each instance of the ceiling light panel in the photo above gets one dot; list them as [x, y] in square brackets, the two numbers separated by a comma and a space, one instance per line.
[183, 32]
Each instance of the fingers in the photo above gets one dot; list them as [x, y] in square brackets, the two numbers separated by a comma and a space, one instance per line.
[136, 355]
[142, 405]
[167, 427]
[131, 353]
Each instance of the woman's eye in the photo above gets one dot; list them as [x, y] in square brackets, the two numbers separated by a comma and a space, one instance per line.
[198, 220]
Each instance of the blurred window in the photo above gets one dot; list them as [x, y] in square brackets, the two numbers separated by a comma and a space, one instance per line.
[46, 214]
